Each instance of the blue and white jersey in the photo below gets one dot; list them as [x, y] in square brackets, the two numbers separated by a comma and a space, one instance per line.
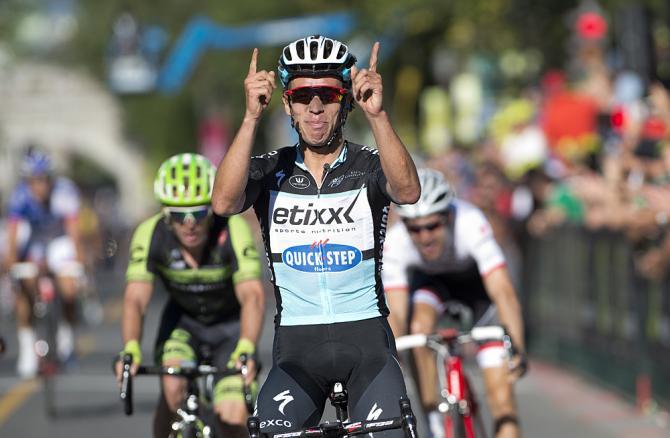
[46, 220]
[323, 240]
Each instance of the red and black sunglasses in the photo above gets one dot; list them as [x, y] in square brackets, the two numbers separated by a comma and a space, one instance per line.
[325, 93]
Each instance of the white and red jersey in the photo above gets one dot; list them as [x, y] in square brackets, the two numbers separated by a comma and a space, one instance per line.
[471, 241]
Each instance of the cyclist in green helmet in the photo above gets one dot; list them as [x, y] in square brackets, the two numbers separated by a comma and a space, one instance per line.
[210, 268]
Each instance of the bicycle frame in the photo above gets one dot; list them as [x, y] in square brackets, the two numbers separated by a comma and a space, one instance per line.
[458, 399]
[189, 420]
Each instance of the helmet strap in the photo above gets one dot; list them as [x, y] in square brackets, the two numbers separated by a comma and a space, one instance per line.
[337, 132]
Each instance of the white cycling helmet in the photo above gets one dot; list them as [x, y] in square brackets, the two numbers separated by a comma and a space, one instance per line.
[316, 56]
[436, 196]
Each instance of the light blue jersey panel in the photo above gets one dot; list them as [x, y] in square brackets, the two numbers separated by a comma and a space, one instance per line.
[327, 297]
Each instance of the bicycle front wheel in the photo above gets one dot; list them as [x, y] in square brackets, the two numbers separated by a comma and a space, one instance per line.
[454, 425]
[190, 431]
[49, 359]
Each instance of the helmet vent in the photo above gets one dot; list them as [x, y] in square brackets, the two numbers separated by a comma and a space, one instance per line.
[342, 51]
[185, 180]
[327, 48]
[315, 56]
[437, 196]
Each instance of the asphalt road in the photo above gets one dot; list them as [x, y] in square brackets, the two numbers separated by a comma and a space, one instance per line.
[553, 402]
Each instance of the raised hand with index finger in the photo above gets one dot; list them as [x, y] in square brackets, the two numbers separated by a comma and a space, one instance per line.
[367, 86]
[258, 88]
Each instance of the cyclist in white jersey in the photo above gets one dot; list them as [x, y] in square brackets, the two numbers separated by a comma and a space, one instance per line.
[322, 205]
[443, 253]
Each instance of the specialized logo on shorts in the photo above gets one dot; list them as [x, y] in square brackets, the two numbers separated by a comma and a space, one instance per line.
[299, 182]
[285, 398]
[322, 257]
[374, 413]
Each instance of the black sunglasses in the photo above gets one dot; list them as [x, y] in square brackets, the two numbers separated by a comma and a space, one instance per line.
[184, 215]
[325, 93]
[416, 229]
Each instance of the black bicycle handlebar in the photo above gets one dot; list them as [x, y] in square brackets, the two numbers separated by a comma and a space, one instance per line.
[188, 372]
[126, 392]
[338, 429]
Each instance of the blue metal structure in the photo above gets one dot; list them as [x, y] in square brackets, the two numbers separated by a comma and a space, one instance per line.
[202, 34]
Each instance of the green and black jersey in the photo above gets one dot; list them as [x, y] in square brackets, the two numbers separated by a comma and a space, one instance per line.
[207, 293]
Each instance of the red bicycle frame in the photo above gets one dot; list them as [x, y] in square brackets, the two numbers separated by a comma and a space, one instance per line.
[458, 387]
[459, 405]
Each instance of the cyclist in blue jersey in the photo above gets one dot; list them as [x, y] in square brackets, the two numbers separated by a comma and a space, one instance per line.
[49, 205]
[322, 205]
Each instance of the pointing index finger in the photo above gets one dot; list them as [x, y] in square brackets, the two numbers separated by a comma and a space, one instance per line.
[373, 56]
[252, 64]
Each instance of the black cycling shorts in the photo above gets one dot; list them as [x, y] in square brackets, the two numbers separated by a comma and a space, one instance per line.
[465, 287]
[308, 359]
[212, 343]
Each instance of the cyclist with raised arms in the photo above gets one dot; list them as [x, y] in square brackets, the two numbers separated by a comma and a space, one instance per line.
[210, 268]
[49, 204]
[443, 253]
[322, 205]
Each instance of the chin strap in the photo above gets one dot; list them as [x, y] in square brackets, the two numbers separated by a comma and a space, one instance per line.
[342, 119]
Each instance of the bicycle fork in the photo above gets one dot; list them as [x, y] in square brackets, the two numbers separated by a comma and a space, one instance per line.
[188, 420]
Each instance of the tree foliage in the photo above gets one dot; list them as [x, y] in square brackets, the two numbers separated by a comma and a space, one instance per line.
[164, 124]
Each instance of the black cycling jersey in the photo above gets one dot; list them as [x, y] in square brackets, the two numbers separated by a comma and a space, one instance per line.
[206, 294]
[323, 238]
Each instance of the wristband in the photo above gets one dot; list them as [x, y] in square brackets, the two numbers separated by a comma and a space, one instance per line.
[133, 348]
[244, 346]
